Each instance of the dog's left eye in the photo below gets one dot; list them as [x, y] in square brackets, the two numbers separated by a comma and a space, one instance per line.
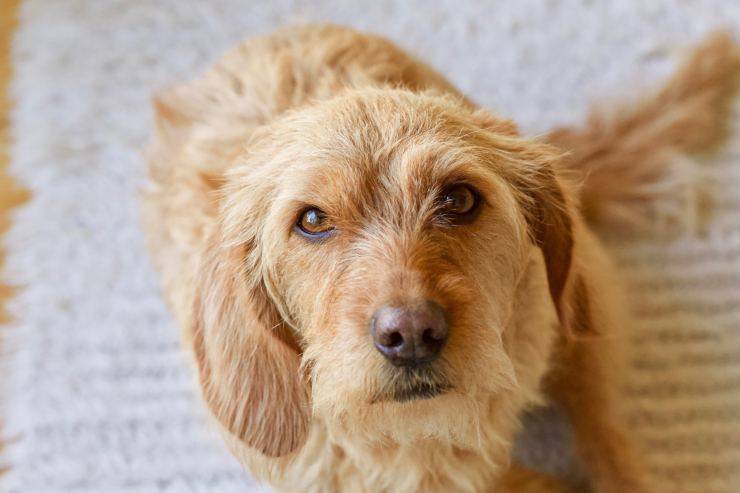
[459, 200]
[314, 223]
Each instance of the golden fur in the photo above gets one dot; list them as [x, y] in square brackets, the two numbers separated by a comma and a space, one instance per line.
[636, 155]
[278, 325]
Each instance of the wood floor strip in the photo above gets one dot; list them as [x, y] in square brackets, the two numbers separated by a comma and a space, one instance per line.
[11, 194]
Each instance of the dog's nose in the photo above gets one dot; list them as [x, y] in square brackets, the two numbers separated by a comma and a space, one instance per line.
[410, 335]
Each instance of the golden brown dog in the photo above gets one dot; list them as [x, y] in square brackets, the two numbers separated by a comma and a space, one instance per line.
[375, 277]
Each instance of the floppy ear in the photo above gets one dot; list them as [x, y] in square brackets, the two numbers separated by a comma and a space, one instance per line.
[543, 200]
[248, 363]
[552, 230]
[548, 211]
[550, 224]
[550, 219]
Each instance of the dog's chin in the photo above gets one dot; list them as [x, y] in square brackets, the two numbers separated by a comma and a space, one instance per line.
[411, 384]
[418, 391]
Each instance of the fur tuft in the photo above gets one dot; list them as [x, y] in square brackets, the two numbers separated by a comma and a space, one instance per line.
[634, 163]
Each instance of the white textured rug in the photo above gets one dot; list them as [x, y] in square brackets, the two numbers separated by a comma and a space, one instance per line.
[97, 394]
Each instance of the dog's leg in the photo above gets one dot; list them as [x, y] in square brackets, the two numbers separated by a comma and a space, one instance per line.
[519, 479]
[602, 441]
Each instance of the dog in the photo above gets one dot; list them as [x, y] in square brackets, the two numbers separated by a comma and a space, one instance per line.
[375, 277]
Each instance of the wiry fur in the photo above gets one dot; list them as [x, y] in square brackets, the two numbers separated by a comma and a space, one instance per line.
[635, 160]
[277, 325]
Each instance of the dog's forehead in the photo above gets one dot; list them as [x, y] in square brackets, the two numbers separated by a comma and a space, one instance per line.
[360, 148]
[404, 173]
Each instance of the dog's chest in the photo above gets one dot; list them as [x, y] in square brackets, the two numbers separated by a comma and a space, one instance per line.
[349, 463]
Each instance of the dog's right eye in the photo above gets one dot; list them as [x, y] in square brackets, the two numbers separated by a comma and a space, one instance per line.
[459, 204]
[314, 224]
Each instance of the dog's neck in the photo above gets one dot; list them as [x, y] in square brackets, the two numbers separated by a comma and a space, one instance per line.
[362, 463]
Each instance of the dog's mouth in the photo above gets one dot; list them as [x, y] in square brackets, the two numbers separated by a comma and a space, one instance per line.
[409, 384]
[419, 391]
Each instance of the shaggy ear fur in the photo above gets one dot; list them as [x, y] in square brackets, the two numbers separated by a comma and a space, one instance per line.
[499, 126]
[249, 367]
[551, 227]
[550, 219]
[248, 364]
[543, 200]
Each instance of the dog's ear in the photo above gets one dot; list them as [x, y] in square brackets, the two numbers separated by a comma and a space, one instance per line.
[551, 228]
[548, 208]
[249, 366]
[543, 200]
[549, 220]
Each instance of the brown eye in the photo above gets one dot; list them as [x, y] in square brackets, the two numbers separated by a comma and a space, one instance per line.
[459, 200]
[313, 223]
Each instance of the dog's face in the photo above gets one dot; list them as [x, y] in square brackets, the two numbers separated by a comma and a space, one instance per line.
[369, 253]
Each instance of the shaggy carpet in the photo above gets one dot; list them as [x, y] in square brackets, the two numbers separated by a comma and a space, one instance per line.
[96, 393]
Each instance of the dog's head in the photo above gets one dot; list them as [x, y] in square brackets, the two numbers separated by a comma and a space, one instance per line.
[365, 268]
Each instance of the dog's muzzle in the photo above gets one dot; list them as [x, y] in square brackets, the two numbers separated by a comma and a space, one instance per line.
[411, 337]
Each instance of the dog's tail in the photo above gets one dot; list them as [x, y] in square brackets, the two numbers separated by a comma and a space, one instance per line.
[634, 163]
